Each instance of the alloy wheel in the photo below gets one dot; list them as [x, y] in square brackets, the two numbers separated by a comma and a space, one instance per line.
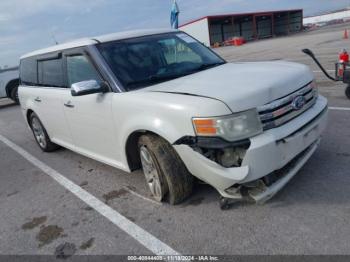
[39, 132]
[151, 173]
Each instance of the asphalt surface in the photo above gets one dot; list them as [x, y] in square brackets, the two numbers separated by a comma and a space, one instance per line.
[309, 216]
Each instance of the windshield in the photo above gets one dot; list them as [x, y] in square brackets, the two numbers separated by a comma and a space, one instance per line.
[144, 61]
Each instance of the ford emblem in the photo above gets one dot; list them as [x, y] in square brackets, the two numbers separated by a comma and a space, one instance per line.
[298, 102]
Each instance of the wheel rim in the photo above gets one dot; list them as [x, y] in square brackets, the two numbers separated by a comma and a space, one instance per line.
[151, 173]
[39, 133]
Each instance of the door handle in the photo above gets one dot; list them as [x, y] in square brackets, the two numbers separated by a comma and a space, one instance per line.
[37, 99]
[69, 104]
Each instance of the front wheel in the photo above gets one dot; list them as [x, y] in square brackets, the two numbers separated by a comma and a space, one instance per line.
[40, 134]
[165, 173]
[347, 91]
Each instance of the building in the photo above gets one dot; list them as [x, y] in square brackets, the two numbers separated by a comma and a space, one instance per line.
[340, 15]
[219, 28]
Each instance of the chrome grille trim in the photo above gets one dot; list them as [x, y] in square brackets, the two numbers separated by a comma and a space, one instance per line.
[281, 111]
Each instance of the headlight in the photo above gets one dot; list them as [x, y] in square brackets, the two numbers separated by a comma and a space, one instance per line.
[232, 128]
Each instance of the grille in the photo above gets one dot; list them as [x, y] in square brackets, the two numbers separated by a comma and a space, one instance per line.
[285, 109]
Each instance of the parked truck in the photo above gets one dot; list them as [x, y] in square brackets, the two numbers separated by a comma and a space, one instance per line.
[9, 82]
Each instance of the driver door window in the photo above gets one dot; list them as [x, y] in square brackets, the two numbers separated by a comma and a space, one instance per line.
[80, 69]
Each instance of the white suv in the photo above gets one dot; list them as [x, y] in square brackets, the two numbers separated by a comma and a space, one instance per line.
[162, 101]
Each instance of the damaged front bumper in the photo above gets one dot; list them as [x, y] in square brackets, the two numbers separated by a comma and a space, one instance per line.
[272, 159]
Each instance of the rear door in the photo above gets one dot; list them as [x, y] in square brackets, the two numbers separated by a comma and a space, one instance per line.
[89, 116]
[43, 86]
[52, 88]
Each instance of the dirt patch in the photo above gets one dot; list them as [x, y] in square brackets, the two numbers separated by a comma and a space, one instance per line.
[47, 234]
[65, 250]
[88, 208]
[12, 193]
[84, 183]
[114, 194]
[159, 220]
[194, 202]
[87, 244]
[131, 188]
[74, 224]
[343, 154]
[36, 221]
[132, 219]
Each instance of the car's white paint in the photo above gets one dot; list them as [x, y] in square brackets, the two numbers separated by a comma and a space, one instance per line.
[99, 125]
[243, 86]
[6, 77]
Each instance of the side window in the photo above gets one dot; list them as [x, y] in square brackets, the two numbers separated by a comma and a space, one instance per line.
[28, 71]
[80, 69]
[51, 73]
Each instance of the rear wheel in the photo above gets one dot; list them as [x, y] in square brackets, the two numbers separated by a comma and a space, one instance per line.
[14, 94]
[165, 173]
[40, 134]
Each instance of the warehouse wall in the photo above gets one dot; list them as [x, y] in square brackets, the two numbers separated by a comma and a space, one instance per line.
[281, 23]
[218, 29]
[295, 21]
[264, 26]
[198, 30]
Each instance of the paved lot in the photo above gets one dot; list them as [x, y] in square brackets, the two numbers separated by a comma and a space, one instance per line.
[310, 216]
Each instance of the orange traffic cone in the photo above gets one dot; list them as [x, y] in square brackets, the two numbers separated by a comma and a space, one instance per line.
[346, 35]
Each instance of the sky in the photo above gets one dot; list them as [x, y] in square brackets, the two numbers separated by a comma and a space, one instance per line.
[27, 25]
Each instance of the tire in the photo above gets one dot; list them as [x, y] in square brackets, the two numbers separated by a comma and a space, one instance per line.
[175, 181]
[14, 95]
[40, 134]
[347, 91]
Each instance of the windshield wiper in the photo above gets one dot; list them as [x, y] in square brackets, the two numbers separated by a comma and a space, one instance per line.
[166, 77]
[208, 65]
[152, 80]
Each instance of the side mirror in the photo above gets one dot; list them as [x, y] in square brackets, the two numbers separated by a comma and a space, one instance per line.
[88, 87]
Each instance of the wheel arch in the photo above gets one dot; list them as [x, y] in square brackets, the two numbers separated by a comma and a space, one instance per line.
[132, 150]
[12, 84]
[28, 114]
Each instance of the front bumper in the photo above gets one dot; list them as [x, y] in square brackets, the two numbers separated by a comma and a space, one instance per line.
[290, 145]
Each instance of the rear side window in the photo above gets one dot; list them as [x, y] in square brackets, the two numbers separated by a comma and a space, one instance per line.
[28, 71]
[50, 73]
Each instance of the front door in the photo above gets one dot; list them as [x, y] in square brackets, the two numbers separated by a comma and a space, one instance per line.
[90, 116]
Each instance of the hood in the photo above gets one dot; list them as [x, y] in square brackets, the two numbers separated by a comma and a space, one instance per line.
[242, 86]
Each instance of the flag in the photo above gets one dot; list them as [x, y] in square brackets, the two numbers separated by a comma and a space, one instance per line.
[174, 17]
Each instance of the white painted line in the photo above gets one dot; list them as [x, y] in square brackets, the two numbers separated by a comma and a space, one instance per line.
[141, 196]
[143, 237]
[339, 108]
